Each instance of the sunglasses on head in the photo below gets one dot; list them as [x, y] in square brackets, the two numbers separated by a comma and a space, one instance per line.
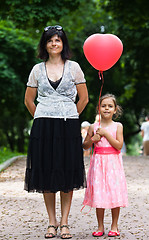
[57, 27]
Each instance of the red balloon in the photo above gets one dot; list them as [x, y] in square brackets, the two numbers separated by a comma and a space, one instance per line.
[102, 50]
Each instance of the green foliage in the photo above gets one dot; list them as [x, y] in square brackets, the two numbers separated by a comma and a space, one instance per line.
[6, 153]
[134, 147]
[35, 13]
[132, 26]
[128, 79]
[133, 13]
[16, 60]
[80, 24]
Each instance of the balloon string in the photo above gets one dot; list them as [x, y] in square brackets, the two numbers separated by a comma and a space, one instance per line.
[102, 79]
[86, 212]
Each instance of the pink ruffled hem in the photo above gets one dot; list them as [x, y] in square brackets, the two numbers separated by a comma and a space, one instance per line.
[106, 206]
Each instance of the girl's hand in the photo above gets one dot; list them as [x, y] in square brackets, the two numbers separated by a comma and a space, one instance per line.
[96, 137]
[101, 131]
[91, 138]
[116, 143]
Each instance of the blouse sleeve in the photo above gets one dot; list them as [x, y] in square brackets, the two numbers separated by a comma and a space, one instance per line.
[32, 80]
[78, 74]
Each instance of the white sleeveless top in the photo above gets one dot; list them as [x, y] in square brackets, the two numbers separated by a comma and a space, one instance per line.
[145, 128]
[59, 103]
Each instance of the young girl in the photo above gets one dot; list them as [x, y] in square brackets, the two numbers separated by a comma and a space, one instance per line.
[106, 184]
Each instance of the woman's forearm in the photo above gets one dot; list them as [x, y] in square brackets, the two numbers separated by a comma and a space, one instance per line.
[31, 107]
[29, 99]
[81, 104]
[83, 97]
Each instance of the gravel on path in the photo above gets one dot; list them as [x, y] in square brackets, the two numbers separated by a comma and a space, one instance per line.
[23, 215]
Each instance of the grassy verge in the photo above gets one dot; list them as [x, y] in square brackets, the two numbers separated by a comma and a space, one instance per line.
[6, 154]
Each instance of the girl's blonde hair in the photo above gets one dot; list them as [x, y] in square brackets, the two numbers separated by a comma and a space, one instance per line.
[118, 108]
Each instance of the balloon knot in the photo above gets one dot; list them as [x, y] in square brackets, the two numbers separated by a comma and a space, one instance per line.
[100, 73]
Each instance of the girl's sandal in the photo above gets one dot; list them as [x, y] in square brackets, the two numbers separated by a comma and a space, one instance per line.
[65, 235]
[50, 234]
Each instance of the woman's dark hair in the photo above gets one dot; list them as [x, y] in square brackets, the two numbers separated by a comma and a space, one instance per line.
[46, 35]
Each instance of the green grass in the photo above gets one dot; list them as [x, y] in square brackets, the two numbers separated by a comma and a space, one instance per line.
[6, 154]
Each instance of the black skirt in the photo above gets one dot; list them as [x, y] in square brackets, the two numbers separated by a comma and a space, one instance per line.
[55, 156]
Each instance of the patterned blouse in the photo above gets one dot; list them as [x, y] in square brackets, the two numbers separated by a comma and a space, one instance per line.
[59, 102]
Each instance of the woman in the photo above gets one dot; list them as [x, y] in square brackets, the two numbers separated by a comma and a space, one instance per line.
[55, 156]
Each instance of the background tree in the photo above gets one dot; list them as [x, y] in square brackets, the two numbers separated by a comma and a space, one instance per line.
[90, 19]
[11, 40]
[29, 14]
[132, 25]
[127, 79]
[16, 57]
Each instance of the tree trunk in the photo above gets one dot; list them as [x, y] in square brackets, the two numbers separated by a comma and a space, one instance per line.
[10, 141]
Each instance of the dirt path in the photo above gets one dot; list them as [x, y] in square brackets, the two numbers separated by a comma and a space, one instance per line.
[23, 215]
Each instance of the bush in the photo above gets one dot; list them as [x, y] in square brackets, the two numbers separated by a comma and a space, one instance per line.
[6, 153]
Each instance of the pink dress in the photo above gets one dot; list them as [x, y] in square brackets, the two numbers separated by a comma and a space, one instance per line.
[106, 183]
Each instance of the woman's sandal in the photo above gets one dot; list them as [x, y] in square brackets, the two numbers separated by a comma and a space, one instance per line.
[65, 235]
[50, 234]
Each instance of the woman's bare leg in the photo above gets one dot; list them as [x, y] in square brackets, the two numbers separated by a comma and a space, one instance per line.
[66, 199]
[50, 199]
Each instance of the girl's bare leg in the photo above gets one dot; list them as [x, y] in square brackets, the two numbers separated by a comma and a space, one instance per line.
[100, 219]
[115, 216]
